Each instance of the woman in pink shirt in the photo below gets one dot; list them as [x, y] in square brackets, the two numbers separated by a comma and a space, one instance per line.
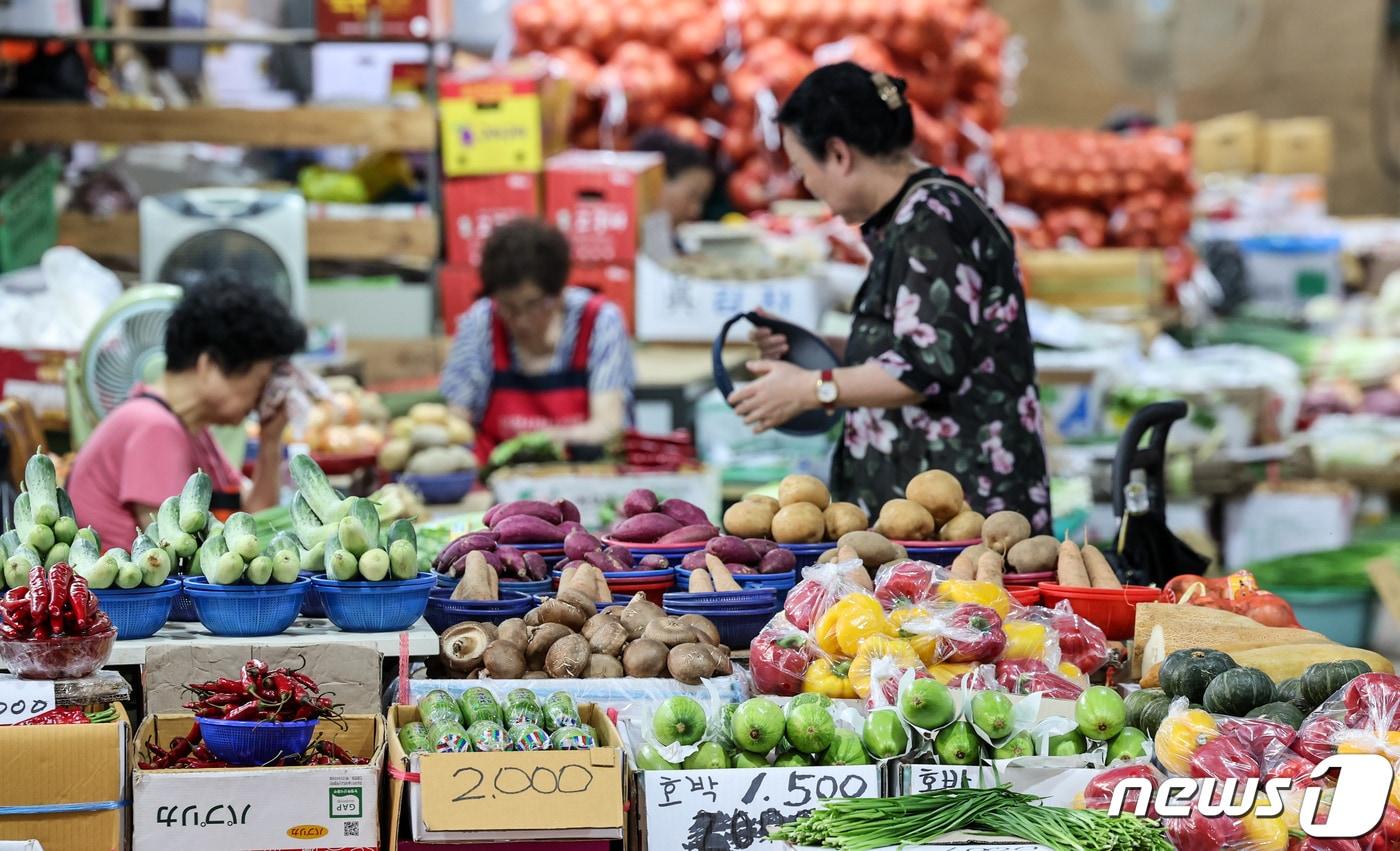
[222, 343]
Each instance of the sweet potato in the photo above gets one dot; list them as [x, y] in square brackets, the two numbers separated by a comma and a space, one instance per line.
[525, 508]
[777, 561]
[578, 544]
[639, 501]
[619, 554]
[686, 513]
[567, 511]
[512, 562]
[645, 528]
[492, 558]
[692, 534]
[700, 582]
[571, 526]
[653, 561]
[761, 546]
[527, 529]
[693, 561]
[535, 567]
[729, 548]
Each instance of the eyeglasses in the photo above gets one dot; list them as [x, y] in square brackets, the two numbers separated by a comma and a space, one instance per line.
[530, 307]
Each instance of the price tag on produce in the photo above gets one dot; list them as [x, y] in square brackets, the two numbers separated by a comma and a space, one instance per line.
[735, 808]
[933, 778]
[21, 700]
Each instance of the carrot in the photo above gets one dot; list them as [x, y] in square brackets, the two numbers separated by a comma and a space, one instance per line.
[1070, 566]
[1100, 572]
[989, 567]
[720, 575]
[700, 582]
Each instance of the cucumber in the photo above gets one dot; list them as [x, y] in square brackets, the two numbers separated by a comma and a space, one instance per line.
[402, 530]
[82, 553]
[65, 530]
[90, 535]
[168, 523]
[227, 569]
[259, 570]
[119, 554]
[42, 483]
[15, 576]
[101, 573]
[339, 562]
[282, 542]
[314, 559]
[65, 505]
[152, 577]
[154, 562]
[193, 507]
[213, 526]
[4, 551]
[374, 564]
[41, 538]
[403, 560]
[286, 566]
[10, 541]
[312, 484]
[241, 534]
[364, 511]
[194, 568]
[128, 575]
[353, 536]
[58, 554]
[306, 525]
[23, 516]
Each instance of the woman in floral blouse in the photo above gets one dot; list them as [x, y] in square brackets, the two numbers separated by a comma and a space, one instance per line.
[939, 372]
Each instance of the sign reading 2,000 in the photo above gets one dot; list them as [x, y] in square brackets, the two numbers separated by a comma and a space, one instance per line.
[510, 780]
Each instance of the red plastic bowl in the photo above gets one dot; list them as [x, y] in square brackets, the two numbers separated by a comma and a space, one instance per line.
[1113, 610]
[938, 545]
[345, 464]
[1026, 595]
[689, 546]
[655, 589]
[1028, 578]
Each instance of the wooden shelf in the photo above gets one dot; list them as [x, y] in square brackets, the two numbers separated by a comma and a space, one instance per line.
[389, 128]
[327, 239]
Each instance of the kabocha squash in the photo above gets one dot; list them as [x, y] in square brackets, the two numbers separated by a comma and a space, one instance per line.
[1187, 673]
[1238, 690]
[1321, 680]
[1138, 701]
[1290, 691]
[1153, 714]
[1283, 713]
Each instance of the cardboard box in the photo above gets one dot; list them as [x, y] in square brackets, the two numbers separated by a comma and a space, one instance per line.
[594, 486]
[510, 796]
[600, 199]
[75, 764]
[350, 672]
[1228, 143]
[390, 362]
[1287, 519]
[616, 281]
[419, 19]
[678, 308]
[1296, 146]
[1107, 278]
[474, 206]
[458, 288]
[508, 119]
[239, 809]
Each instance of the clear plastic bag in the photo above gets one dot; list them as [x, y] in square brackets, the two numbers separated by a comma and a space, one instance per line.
[1031, 676]
[821, 587]
[848, 622]
[971, 591]
[1098, 792]
[879, 666]
[908, 582]
[951, 632]
[779, 657]
[1081, 643]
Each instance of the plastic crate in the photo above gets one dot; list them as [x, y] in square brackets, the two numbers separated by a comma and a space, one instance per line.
[28, 217]
[138, 612]
[386, 606]
[249, 743]
[246, 611]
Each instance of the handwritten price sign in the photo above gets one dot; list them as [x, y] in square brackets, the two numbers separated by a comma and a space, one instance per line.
[736, 808]
[934, 778]
[21, 700]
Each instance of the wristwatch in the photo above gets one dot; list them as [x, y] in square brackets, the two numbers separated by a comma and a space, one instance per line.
[826, 390]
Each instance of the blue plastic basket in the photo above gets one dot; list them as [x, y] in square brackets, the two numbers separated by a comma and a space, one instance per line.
[138, 612]
[941, 555]
[749, 581]
[450, 582]
[441, 490]
[385, 606]
[723, 599]
[246, 611]
[311, 605]
[807, 554]
[638, 575]
[443, 612]
[249, 743]
[736, 628]
[182, 609]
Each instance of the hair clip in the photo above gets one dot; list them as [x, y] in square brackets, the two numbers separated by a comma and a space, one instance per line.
[885, 87]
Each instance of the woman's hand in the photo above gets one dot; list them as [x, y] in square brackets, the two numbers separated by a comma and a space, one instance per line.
[771, 344]
[781, 392]
[271, 427]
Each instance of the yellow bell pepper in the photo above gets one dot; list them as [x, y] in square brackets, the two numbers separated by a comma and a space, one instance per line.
[1266, 834]
[1367, 742]
[1024, 640]
[902, 615]
[1180, 736]
[987, 594]
[850, 621]
[946, 672]
[879, 647]
[829, 678]
[1069, 670]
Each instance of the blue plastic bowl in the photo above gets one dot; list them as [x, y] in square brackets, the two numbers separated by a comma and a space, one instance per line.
[723, 599]
[251, 743]
[139, 612]
[806, 554]
[311, 605]
[639, 575]
[450, 582]
[443, 612]
[445, 489]
[182, 609]
[749, 581]
[940, 555]
[736, 628]
[246, 611]
[390, 605]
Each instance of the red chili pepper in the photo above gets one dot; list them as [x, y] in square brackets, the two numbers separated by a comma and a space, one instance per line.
[195, 736]
[204, 763]
[304, 680]
[38, 593]
[78, 598]
[98, 623]
[57, 715]
[331, 749]
[40, 630]
[221, 686]
[16, 599]
[246, 712]
[10, 632]
[60, 576]
[201, 751]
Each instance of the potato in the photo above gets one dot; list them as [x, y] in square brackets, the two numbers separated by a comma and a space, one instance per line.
[460, 432]
[905, 520]
[938, 492]
[1034, 555]
[394, 455]
[799, 488]
[799, 523]
[750, 518]
[873, 549]
[966, 526]
[764, 499]
[843, 517]
[1004, 530]
[428, 413]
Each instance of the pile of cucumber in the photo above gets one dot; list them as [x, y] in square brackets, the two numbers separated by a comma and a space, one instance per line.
[342, 536]
[44, 525]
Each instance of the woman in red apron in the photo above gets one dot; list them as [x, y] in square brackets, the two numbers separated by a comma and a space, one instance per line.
[222, 343]
[536, 356]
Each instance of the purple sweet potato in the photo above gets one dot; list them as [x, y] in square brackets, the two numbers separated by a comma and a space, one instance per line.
[535, 568]
[526, 508]
[619, 554]
[492, 559]
[729, 548]
[571, 526]
[577, 544]
[689, 534]
[777, 560]
[644, 528]
[512, 564]
[568, 563]
[484, 540]
[599, 559]
[687, 513]
[761, 545]
[653, 561]
[741, 568]
[527, 529]
[567, 510]
[694, 561]
[639, 501]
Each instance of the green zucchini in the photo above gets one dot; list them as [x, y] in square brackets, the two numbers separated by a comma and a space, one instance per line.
[340, 563]
[314, 559]
[312, 484]
[168, 522]
[259, 570]
[193, 506]
[41, 480]
[374, 564]
[58, 554]
[65, 505]
[241, 534]
[128, 575]
[65, 530]
[286, 566]
[403, 560]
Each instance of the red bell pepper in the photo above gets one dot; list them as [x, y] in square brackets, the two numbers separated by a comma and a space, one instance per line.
[972, 633]
[1082, 643]
[778, 661]
[806, 602]
[906, 582]
[1200, 833]
[1223, 758]
[1256, 734]
[1098, 793]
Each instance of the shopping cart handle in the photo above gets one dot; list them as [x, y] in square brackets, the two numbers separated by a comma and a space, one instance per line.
[1156, 418]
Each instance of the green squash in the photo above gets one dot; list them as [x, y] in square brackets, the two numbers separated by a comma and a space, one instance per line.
[1186, 673]
[1291, 691]
[1322, 680]
[1283, 713]
[1137, 701]
[1238, 690]
[1153, 714]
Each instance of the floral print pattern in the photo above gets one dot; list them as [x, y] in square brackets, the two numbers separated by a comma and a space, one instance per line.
[940, 311]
